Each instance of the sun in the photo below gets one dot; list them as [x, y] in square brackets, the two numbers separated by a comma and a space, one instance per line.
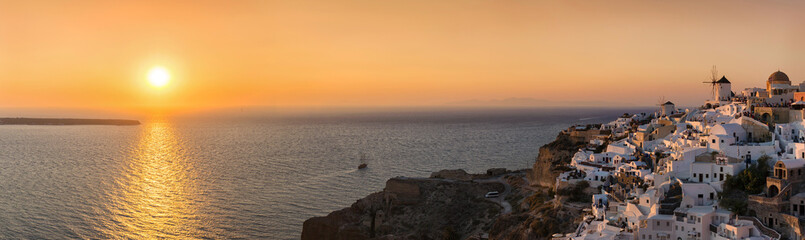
[158, 77]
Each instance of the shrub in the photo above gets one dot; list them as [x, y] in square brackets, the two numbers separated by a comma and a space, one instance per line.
[751, 180]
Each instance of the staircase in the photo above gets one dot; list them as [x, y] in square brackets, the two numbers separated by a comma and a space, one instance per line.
[765, 230]
[672, 200]
[667, 208]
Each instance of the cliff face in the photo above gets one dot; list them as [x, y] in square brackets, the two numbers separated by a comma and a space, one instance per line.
[536, 213]
[410, 208]
[535, 225]
[451, 206]
[552, 159]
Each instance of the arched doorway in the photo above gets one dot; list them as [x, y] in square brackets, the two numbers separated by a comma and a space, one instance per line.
[773, 191]
[766, 118]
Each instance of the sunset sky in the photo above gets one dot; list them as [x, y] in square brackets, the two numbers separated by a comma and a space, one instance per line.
[97, 54]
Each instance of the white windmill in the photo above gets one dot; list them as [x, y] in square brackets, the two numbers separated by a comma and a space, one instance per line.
[666, 107]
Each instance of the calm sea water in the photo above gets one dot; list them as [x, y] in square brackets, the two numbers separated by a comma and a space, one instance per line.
[244, 177]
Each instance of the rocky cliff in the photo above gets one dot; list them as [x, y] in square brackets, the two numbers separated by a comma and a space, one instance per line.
[450, 205]
[538, 213]
[553, 158]
[412, 208]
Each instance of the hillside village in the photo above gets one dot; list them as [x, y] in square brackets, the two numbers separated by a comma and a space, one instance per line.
[730, 169]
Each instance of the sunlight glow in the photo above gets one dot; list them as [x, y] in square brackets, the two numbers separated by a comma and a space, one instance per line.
[158, 77]
[155, 196]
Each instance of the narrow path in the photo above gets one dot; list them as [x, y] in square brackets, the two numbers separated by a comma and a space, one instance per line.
[501, 200]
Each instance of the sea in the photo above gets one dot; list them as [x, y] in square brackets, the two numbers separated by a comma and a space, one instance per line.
[247, 175]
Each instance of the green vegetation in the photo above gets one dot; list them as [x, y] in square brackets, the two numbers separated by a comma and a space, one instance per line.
[749, 181]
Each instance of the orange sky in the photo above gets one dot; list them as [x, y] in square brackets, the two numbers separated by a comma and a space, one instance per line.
[95, 54]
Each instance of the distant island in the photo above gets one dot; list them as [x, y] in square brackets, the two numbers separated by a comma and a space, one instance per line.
[66, 121]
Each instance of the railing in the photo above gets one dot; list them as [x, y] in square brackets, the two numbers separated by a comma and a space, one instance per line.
[765, 230]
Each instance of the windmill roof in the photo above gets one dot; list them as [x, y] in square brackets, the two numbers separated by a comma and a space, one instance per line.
[723, 80]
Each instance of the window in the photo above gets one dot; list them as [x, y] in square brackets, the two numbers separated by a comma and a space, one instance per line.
[707, 176]
[721, 169]
[714, 141]
[658, 223]
[711, 196]
[722, 140]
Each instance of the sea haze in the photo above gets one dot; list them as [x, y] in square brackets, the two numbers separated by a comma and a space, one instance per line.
[244, 174]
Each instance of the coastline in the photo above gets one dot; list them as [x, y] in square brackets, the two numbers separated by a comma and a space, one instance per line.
[67, 121]
[450, 204]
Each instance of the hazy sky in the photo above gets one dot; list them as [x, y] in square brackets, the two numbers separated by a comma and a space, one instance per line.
[95, 54]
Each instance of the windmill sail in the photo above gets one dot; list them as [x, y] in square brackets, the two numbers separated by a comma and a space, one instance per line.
[713, 80]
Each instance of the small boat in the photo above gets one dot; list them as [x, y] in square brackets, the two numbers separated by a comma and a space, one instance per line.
[363, 161]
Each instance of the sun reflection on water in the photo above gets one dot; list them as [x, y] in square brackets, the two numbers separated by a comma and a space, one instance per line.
[155, 195]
